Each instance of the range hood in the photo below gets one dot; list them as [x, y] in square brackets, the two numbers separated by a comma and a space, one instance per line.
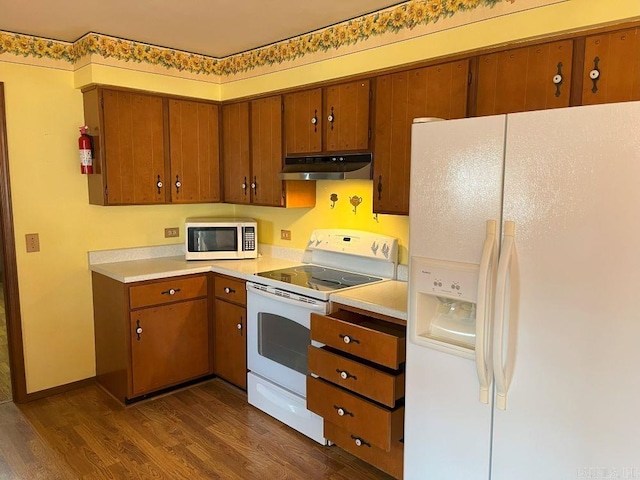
[327, 167]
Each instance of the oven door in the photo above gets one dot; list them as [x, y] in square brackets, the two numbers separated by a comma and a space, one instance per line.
[278, 335]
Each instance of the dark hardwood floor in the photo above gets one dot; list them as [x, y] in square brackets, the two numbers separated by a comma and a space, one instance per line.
[5, 375]
[205, 431]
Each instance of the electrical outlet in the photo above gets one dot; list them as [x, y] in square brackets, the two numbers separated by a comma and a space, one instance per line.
[171, 232]
[285, 234]
[33, 242]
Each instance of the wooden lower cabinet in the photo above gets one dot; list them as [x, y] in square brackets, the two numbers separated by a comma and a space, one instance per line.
[151, 335]
[389, 462]
[173, 345]
[230, 330]
[230, 352]
[356, 384]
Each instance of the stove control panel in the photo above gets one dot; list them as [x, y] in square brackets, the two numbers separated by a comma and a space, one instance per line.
[355, 242]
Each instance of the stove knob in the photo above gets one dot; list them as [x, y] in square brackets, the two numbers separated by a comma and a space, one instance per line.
[374, 248]
[385, 250]
[312, 239]
[318, 239]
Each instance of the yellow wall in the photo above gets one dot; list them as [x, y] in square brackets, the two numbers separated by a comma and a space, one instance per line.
[44, 109]
[49, 197]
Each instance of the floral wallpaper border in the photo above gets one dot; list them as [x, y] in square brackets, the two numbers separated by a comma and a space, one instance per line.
[407, 15]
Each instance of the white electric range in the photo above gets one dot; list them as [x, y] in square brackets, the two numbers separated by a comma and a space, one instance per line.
[279, 307]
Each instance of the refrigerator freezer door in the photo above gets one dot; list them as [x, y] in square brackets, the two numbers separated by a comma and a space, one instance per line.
[572, 356]
[456, 186]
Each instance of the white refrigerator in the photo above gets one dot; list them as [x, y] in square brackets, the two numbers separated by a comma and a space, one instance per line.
[523, 351]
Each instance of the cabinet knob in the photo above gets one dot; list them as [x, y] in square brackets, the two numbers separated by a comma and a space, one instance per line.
[314, 120]
[345, 375]
[347, 339]
[138, 329]
[359, 441]
[239, 326]
[558, 79]
[171, 291]
[342, 411]
[229, 290]
[331, 118]
[594, 74]
[178, 184]
[159, 183]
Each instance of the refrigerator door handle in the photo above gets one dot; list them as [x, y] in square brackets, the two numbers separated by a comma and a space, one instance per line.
[504, 268]
[484, 310]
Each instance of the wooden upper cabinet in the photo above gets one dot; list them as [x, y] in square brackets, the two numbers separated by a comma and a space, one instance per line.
[195, 152]
[303, 121]
[235, 152]
[612, 67]
[523, 79]
[347, 116]
[437, 91]
[128, 132]
[266, 150]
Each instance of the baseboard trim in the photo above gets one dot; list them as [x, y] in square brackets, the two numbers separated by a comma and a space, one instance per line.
[30, 397]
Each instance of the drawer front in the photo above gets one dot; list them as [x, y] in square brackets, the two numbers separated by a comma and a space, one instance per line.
[379, 425]
[375, 384]
[231, 290]
[361, 336]
[390, 462]
[168, 291]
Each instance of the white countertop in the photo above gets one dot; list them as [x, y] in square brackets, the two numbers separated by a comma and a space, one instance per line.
[387, 298]
[155, 268]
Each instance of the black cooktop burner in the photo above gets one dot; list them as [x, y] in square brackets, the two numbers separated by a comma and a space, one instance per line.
[318, 278]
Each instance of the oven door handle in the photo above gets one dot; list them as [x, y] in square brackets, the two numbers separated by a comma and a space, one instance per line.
[290, 301]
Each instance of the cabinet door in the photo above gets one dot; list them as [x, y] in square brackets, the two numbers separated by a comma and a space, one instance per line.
[347, 116]
[134, 148]
[172, 346]
[230, 349]
[303, 121]
[195, 153]
[438, 91]
[523, 79]
[235, 152]
[266, 149]
[614, 60]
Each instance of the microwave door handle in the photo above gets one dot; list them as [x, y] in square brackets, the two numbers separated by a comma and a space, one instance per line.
[289, 301]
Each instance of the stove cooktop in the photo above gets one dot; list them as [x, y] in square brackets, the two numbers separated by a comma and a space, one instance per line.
[319, 278]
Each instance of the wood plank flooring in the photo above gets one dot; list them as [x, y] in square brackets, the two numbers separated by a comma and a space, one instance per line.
[5, 376]
[206, 431]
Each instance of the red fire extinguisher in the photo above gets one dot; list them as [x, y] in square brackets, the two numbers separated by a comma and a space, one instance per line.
[86, 157]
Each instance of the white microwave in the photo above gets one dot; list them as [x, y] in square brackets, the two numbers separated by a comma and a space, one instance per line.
[220, 238]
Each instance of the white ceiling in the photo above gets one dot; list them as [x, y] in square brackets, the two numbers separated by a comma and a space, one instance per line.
[211, 27]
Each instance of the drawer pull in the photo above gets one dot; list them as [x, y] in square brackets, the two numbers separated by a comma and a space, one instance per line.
[347, 339]
[171, 291]
[342, 412]
[359, 442]
[229, 290]
[345, 375]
